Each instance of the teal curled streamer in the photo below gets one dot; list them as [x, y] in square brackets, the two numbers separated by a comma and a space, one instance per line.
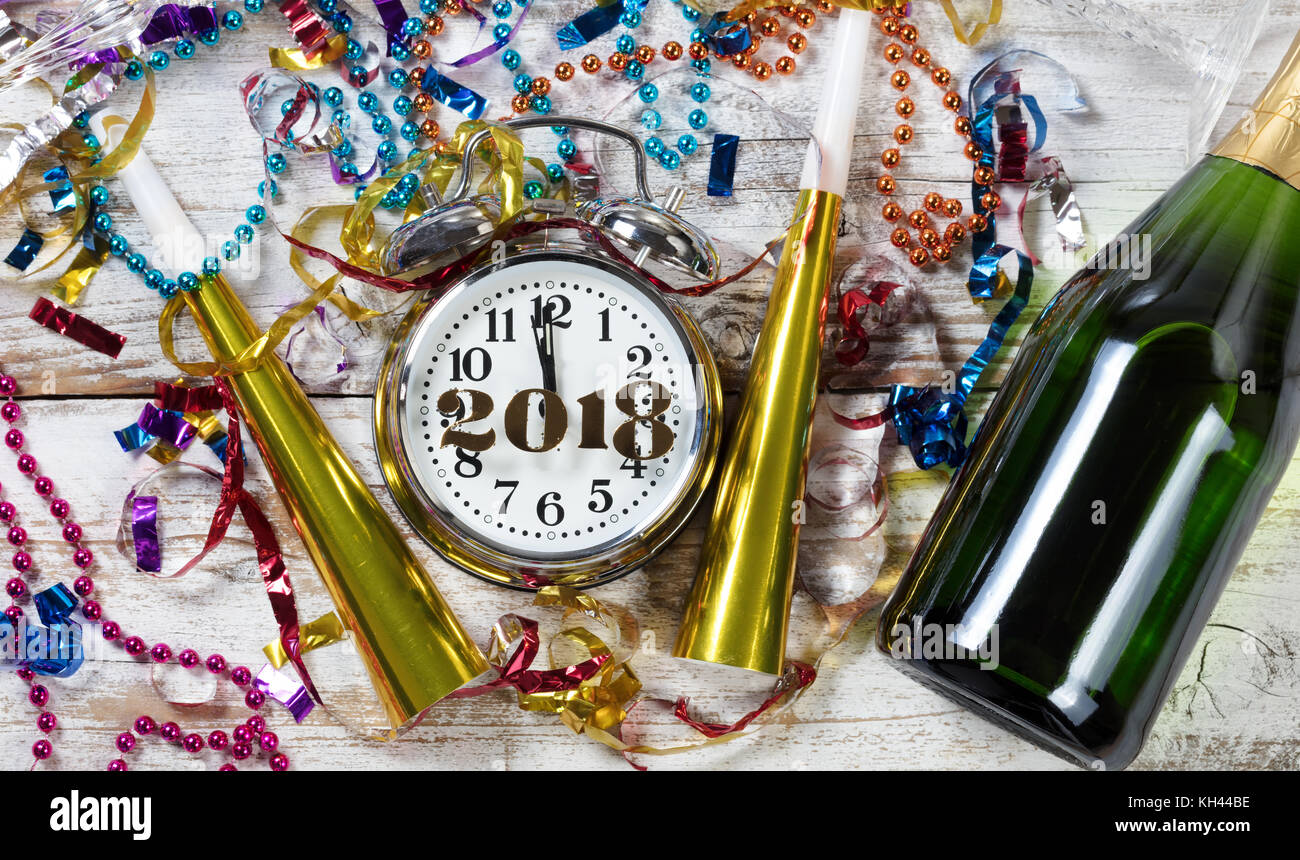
[930, 421]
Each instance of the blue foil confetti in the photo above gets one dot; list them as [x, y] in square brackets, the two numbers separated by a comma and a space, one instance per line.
[590, 25]
[722, 164]
[25, 251]
[735, 40]
[133, 438]
[62, 196]
[54, 604]
[452, 94]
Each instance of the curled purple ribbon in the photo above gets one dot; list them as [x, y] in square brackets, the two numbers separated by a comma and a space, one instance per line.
[144, 532]
[393, 16]
[497, 44]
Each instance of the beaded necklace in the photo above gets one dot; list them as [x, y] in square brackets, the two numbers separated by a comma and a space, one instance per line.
[930, 243]
[251, 731]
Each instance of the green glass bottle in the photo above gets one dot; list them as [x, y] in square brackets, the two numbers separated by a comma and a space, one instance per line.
[1120, 470]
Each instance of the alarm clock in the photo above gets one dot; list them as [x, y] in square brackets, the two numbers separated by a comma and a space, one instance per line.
[551, 417]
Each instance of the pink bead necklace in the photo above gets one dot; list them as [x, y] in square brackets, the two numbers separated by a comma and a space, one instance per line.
[242, 741]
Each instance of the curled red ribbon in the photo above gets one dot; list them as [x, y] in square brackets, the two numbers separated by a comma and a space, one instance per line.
[799, 675]
[80, 329]
[275, 577]
[516, 672]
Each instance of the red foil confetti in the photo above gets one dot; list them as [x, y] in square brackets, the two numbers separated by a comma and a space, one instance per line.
[307, 27]
[80, 329]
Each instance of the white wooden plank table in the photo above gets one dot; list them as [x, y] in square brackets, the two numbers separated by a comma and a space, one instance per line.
[1235, 706]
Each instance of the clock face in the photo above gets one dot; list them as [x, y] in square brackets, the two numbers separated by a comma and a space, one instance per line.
[552, 408]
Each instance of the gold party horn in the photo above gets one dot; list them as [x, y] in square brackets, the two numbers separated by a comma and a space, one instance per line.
[412, 644]
[739, 607]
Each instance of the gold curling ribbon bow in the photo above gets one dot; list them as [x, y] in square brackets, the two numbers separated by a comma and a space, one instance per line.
[965, 36]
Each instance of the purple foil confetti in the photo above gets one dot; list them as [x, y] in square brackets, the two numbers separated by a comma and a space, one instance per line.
[144, 532]
[172, 21]
[285, 690]
[167, 425]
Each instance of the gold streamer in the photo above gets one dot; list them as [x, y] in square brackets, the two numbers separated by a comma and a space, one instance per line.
[294, 60]
[84, 267]
[325, 630]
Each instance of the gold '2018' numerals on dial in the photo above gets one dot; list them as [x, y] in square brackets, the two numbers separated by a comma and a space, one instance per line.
[555, 420]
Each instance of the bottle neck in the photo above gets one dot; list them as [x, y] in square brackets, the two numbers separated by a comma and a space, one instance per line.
[1268, 135]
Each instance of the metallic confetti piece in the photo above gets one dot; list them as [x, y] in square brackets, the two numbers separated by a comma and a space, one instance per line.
[590, 25]
[172, 21]
[80, 329]
[1065, 209]
[325, 630]
[726, 39]
[722, 164]
[308, 29]
[62, 196]
[168, 425]
[89, 260]
[133, 437]
[144, 533]
[26, 250]
[287, 691]
[452, 94]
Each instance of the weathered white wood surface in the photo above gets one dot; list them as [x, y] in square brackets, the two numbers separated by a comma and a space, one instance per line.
[1236, 704]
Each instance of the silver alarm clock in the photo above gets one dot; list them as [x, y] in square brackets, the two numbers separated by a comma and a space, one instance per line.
[551, 417]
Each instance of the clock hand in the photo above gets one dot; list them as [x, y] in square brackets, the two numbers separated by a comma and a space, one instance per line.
[544, 336]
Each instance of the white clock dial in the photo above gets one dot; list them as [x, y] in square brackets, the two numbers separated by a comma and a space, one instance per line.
[556, 369]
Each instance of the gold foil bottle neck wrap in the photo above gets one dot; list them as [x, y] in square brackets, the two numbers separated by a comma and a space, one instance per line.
[1268, 134]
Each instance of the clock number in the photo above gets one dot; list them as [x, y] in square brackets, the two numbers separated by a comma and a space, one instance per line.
[593, 421]
[505, 503]
[509, 318]
[661, 438]
[480, 407]
[636, 372]
[557, 307]
[604, 494]
[555, 419]
[544, 504]
[474, 368]
[636, 467]
[604, 326]
[468, 465]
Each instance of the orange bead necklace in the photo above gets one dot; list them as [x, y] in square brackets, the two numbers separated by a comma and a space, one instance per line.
[928, 243]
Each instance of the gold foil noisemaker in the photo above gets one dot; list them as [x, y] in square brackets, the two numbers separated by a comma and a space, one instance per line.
[739, 607]
[412, 644]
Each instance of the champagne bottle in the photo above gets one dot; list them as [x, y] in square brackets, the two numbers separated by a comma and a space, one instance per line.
[1119, 471]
